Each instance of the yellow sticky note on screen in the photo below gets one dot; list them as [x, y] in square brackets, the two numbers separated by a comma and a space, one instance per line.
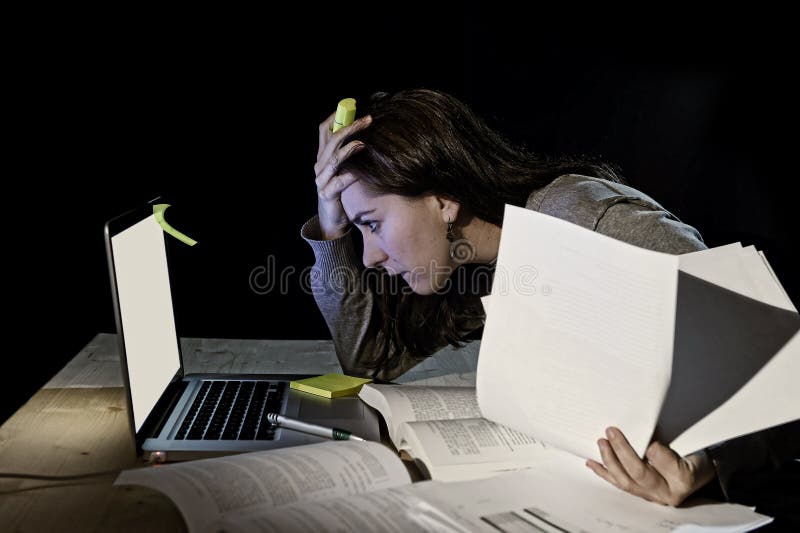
[158, 212]
[330, 385]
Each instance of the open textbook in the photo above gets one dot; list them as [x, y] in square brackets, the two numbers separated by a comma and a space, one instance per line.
[584, 331]
[441, 428]
[363, 486]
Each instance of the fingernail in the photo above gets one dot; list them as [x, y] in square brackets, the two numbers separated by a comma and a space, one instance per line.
[611, 433]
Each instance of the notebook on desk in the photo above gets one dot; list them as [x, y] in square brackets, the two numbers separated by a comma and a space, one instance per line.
[185, 416]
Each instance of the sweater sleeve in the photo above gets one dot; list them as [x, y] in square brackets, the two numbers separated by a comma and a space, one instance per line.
[763, 450]
[642, 224]
[348, 305]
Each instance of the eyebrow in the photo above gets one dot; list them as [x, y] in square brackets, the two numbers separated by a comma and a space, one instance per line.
[357, 218]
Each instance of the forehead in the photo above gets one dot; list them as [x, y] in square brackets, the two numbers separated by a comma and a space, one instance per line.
[356, 198]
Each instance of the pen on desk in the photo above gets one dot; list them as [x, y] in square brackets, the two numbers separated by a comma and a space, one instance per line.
[320, 431]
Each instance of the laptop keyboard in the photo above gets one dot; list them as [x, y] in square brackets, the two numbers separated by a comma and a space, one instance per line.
[233, 410]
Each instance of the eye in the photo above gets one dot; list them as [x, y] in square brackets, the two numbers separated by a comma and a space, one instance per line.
[372, 225]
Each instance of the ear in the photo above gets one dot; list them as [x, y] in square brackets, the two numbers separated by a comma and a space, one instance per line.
[448, 207]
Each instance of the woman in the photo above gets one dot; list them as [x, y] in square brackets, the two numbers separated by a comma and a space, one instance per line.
[425, 181]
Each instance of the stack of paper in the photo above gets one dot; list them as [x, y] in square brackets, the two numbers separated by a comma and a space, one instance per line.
[584, 331]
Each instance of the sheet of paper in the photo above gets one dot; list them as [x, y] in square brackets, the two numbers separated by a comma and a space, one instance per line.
[723, 266]
[470, 448]
[722, 340]
[211, 489]
[740, 269]
[485, 302]
[563, 498]
[405, 403]
[770, 398]
[775, 278]
[694, 263]
[579, 336]
[768, 290]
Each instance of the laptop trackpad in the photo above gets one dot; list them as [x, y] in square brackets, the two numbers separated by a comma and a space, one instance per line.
[350, 414]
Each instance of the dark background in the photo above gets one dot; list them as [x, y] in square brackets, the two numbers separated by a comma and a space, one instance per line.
[220, 117]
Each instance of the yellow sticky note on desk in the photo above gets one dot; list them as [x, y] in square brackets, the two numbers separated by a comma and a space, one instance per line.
[330, 385]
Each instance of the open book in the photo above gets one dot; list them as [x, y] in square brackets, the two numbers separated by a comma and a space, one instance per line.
[363, 486]
[441, 428]
[584, 331]
[264, 487]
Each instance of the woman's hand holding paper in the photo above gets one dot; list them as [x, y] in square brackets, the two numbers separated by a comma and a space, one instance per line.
[663, 477]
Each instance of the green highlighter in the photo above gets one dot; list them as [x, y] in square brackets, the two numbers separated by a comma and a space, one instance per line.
[345, 114]
[330, 385]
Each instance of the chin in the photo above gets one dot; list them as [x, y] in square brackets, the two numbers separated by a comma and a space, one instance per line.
[424, 290]
[422, 286]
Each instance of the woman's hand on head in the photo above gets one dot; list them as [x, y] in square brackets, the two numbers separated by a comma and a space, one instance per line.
[330, 184]
[663, 477]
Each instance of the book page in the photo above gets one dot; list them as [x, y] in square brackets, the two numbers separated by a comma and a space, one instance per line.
[210, 489]
[579, 336]
[470, 448]
[404, 403]
[390, 510]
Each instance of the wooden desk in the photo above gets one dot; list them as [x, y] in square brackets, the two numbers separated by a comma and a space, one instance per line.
[77, 424]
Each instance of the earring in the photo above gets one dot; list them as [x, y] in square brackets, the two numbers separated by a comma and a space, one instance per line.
[461, 250]
[450, 235]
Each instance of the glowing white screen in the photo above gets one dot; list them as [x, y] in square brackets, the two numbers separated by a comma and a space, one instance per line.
[148, 323]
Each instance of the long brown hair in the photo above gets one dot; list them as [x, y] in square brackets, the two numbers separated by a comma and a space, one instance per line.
[422, 142]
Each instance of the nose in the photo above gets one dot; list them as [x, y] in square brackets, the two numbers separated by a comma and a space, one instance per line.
[373, 254]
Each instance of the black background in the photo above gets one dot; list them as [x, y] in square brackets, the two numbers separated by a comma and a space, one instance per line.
[219, 114]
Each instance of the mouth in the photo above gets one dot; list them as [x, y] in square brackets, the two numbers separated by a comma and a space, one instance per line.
[392, 272]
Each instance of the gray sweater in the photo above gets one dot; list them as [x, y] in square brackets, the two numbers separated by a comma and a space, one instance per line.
[609, 208]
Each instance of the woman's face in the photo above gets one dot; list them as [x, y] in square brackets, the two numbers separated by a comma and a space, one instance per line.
[405, 236]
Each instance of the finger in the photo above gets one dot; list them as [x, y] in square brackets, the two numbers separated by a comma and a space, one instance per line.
[601, 471]
[336, 185]
[633, 465]
[325, 132]
[669, 465]
[614, 467]
[335, 140]
[358, 124]
[331, 166]
[661, 456]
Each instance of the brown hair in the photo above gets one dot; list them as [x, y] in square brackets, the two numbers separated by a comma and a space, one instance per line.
[427, 142]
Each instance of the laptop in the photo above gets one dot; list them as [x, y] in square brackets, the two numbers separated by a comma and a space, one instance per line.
[178, 416]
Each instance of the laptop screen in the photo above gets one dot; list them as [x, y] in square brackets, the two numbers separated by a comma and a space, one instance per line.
[148, 323]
